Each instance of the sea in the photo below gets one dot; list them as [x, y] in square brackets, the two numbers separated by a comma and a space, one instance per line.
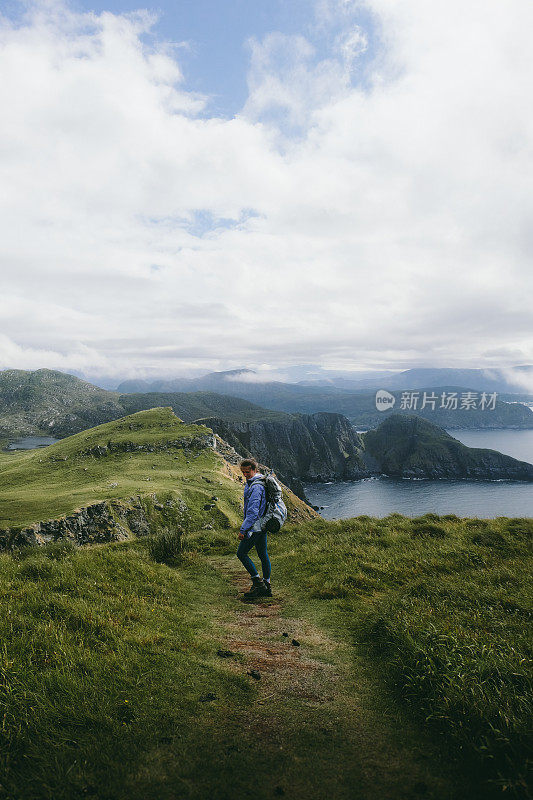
[379, 496]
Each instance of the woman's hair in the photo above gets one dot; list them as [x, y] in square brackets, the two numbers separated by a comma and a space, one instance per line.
[248, 462]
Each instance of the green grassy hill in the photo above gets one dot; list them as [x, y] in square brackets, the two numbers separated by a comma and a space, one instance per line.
[141, 454]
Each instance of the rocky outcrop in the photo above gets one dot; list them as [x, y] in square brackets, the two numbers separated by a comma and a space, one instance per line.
[303, 447]
[411, 447]
[184, 443]
[108, 521]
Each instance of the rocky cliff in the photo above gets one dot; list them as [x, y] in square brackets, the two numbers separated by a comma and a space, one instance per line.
[411, 447]
[302, 447]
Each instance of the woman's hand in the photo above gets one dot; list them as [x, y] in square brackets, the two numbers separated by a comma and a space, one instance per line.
[241, 535]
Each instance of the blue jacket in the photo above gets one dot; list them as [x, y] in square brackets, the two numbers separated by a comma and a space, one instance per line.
[254, 502]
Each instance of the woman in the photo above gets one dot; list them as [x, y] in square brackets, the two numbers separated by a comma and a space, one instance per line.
[250, 532]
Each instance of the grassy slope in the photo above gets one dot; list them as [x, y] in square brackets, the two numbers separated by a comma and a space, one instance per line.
[443, 607]
[103, 667]
[107, 659]
[54, 481]
[50, 482]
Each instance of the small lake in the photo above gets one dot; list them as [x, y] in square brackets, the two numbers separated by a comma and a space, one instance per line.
[380, 496]
[31, 442]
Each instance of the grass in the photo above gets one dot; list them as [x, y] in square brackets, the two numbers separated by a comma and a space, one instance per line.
[108, 659]
[108, 653]
[107, 656]
[53, 481]
[104, 674]
[444, 612]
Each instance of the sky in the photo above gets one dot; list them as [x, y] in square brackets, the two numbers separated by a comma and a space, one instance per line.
[206, 185]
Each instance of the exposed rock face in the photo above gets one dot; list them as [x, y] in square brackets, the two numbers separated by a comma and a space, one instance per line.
[411, 447]
[323, 446]
[185, 443]
[305, 447]
[109, 521]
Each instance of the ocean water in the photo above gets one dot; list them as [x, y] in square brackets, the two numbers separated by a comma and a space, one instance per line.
[518, 444]
[380, 496]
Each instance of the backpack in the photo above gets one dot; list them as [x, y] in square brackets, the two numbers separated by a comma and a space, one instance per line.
[276, 510]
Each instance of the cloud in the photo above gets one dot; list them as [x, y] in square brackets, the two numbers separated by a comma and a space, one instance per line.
[370, 204]
[521, 380]
[261, 376]
[79, 358]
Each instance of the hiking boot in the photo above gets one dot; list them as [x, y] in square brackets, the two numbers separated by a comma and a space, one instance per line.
[258, 589]
[268, 592]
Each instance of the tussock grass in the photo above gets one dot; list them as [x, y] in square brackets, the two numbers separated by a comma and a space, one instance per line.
[166, 547]
[103, 665]
[443, 607]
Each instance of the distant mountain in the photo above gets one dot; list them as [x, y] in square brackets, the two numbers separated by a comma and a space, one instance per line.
[304, 375]
[411, 447]
[360, 407]
[513, 380]
[49, 402]
[210, 382]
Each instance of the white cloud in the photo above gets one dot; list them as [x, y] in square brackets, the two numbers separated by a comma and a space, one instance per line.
[259, 376]
[343, 222]
[522, 380]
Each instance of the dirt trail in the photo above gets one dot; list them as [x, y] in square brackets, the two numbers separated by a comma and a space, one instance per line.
[287, 670]
[315, 699]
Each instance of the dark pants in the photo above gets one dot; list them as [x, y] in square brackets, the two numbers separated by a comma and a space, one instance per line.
[259, 541]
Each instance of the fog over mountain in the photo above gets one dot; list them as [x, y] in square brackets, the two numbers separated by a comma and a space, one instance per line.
[516, 380]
